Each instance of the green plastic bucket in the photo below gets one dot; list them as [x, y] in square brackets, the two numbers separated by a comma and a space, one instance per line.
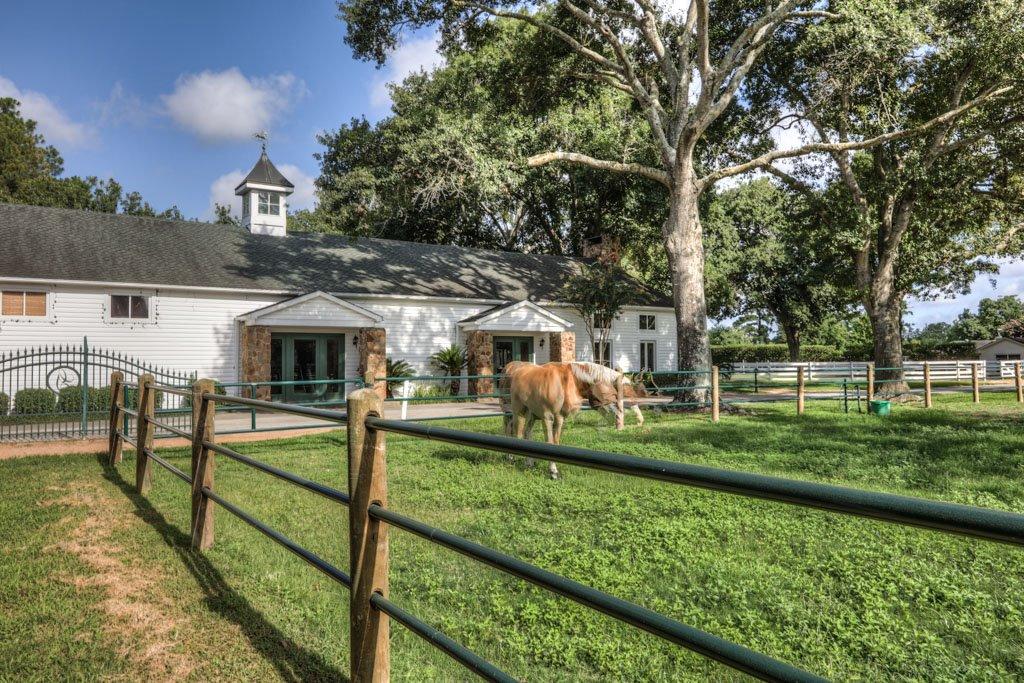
[879, 407]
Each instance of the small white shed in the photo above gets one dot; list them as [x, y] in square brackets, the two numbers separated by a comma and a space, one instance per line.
[1000, 348]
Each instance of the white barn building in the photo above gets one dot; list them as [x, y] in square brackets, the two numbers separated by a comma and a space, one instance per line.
[256, 303]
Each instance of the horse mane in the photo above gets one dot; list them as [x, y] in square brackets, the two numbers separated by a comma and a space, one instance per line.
[591, 373]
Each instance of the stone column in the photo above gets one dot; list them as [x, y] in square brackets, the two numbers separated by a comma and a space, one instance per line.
[373, 355]
[480, 354]
[563, 346]
[255, 357]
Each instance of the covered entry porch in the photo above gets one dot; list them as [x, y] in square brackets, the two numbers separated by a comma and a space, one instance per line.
[517, 331]
[294, 348]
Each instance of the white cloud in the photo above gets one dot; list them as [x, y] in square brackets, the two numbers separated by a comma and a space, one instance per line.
[412, 56]
[54, 124]
[303, 197]
[227, 105]
[122, 106]
[222, 190]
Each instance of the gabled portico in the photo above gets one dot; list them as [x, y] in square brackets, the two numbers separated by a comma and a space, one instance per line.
[308, 338]
[511, 332]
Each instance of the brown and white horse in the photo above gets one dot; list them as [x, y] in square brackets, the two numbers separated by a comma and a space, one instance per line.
[553, 392]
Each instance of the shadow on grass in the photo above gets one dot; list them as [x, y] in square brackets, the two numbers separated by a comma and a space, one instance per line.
[292, 661]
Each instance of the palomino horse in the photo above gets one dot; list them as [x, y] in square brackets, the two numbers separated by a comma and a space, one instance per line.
[600, 392]
[552, 392]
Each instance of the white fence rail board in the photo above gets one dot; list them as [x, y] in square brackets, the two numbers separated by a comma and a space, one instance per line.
[941, 370]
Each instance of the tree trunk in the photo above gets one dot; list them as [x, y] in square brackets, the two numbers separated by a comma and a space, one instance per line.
[791, 331]
[792, 342]
[683, 242]
[886, 315]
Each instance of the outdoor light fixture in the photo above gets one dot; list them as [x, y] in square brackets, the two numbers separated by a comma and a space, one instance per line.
[542, 342]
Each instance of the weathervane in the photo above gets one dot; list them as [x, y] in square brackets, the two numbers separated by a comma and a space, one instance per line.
[262, 136]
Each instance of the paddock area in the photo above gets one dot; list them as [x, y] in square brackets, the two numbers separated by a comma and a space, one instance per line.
[98, 582]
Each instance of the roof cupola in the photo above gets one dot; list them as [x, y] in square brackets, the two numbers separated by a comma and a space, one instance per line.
[264, 192]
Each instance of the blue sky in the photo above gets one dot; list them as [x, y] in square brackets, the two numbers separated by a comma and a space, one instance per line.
[164, 96]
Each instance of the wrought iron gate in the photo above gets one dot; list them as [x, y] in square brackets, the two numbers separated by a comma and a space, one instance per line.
[61, 391]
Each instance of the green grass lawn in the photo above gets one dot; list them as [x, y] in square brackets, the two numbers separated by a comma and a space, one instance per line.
[85, 562]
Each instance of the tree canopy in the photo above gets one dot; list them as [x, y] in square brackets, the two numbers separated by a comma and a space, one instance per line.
[449, 164]
[923, 214]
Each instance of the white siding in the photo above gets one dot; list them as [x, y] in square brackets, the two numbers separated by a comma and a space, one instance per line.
[197, 332]
[626, 336]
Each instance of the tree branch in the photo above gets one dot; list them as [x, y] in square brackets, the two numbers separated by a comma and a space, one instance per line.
[770, 157]
[601, 164]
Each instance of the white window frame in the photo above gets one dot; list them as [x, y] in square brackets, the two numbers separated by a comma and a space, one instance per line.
[47, 318]
[273, 203]
[108, 307]
[245, 205]
[654, 355]
[653, 319]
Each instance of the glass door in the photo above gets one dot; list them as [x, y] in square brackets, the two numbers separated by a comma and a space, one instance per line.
[302, 358]
[508, 349]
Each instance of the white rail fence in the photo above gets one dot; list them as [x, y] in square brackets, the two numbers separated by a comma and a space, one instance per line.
[941, 370]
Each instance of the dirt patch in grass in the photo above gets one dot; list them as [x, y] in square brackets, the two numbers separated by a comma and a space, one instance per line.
[141, 618]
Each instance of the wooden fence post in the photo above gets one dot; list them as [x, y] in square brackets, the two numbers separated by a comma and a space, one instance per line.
[927, 384]
[115, 443]
[620, 404]
[144, 434]
[203, 419]
[800, 390]
[1017, 382]
[368, 541]
[714, 393]
[975, 390]
[871, 382]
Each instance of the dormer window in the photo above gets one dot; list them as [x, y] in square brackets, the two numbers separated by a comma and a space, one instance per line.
[269, 203]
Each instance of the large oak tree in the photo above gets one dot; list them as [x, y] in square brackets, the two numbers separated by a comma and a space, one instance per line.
[685, 71]
[924, 214]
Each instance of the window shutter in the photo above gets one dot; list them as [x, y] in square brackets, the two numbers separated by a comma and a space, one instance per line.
[35, 303]
[13, 303]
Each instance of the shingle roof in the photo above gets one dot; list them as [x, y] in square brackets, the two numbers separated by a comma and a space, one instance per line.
[265, 173]
[63, 244]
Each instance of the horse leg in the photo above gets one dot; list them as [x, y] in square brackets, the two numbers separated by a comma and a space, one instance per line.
[639, 415]
[528, 434]
[559, 423]
[550, 436]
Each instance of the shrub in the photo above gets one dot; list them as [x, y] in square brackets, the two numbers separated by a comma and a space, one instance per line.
[69, 400]
[727, 354]
[432, 391]
[5, 403]
[397, 368]
[34, 402]
[450, 361]
[955, 350]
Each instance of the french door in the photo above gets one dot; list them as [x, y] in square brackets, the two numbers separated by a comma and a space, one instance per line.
[508, 349]
[298, 357]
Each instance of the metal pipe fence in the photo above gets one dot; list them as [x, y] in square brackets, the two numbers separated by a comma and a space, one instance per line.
[370, 518]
